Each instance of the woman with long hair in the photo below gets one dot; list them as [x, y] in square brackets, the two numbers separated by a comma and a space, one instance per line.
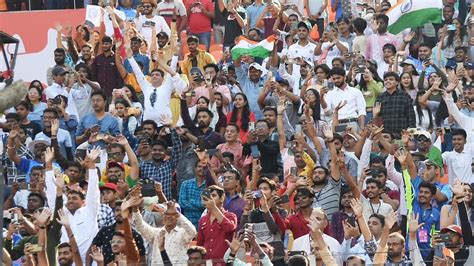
[457, 37]
[407, 85]
[34, 97]
[123, 114]
[423, 114]
[313, 99]
[222, 120]
[241, 115]
[371, 86]
[128, 94]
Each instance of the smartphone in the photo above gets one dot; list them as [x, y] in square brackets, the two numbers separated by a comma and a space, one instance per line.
[36, 248]
[298, 252]
[270, 76]
[351, 220]
[23, 185]
[257, 194]
[227, 50]
[294, 171]
[81, 154]
[255, 151]
[284, 199]
[451, 27]
[206, 193]
[341, 128]
[298, 129]
[201, 143]
[444, 238]
[6, 214]
[421, 168]
[251, 126]
[438, 250]
[330, 85]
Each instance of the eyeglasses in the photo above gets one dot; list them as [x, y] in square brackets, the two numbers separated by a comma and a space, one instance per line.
[147, 6]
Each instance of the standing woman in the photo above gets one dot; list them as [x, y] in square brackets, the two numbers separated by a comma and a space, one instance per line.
[423, 114]
[34, 95]
[313, 99]
[407, 85]
[371, 86]
[241, 115]
[457, 36]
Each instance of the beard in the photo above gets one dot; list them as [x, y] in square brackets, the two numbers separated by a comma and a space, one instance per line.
[319, 182]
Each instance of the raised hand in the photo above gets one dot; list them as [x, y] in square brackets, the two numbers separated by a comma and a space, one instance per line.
[49, 155]
[58, 27]
[96, 254]
[54, 127]
[281, 107]
[409, 37]
[457, 188]
[235, 244]
[349, 230]
[377, 109]
[58, 180]
[413, 225]
[122, 140]
[166, 120]
[93, 154]
[340, 105]
[203, 156]
[209, 203]
[43, 217]
[63, 219]
[14, 132]
[401, 156]
[357, 207]
[328, 135]
[161, 239]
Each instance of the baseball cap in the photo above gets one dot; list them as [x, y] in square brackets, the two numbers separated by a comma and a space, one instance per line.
[110, 186]
[350, 135]
[453, 228]
[31, 145]
[115, 164]
[58, 70]
[257, 66]
[448, 253]
[305, 24]
[423, 133]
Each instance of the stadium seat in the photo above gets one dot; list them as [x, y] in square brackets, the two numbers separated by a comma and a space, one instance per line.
[216, 47]
[217, 55]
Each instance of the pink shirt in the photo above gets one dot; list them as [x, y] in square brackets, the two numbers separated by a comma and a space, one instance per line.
[235, 149]
[203, 91]
[375, 44]
[198, 22]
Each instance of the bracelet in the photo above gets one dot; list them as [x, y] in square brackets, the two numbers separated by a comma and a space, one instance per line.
[71, 236]
[8, 147]
[280, 114]
[42, 227]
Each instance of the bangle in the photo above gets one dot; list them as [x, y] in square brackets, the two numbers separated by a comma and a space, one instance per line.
[42, 227]
[71, 236]
[280, 114]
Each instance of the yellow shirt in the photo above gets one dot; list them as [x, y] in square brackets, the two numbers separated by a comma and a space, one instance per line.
[203, 58]
[132, 80]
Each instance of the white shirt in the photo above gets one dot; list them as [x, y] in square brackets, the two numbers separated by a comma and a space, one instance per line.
[459, 164]
[82, 99]
[64, 140]
[176, 241]
[464, 121]
[84, 221]
[306, 52]
[56, 89]
[146, 31]
[333, 52]
[382, 208]
[163, 93]
[302, 243]
[354, 107]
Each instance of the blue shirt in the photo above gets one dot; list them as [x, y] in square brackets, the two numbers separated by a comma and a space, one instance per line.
[190, 200]
[251, 90]
[254, 12]
[143, 59]
[443, 188]
[430, 218]
[37, 113]
[108, 125]
[26, 165]
[163, 171]
[130, 13]
[419, 66]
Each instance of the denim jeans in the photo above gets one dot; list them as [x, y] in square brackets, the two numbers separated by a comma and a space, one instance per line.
[204, 38]
[55, 4]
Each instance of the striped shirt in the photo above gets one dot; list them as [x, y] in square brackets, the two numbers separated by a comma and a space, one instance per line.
[328, 197]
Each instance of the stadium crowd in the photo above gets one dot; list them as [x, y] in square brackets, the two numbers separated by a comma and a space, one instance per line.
[172, 135]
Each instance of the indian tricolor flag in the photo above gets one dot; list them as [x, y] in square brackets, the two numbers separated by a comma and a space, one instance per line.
[244, 46]
[413, 13]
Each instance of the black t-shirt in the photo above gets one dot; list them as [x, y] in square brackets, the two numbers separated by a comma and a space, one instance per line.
[32, 129]
[232, 27]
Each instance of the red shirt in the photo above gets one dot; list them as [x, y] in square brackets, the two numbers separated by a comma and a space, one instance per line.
[212, 236]
[243, 134]
[198, 22]
[299, 225]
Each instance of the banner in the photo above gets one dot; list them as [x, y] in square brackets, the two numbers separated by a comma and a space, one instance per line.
[35, 30]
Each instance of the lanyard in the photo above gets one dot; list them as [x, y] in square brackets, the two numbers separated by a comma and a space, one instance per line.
[372, 207]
